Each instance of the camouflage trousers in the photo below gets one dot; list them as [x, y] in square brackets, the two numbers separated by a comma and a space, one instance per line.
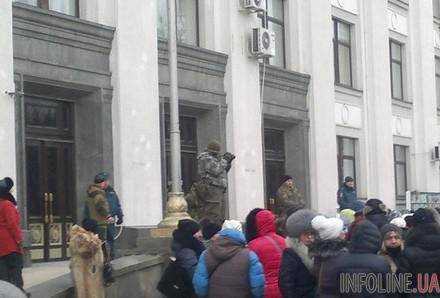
[206, 202]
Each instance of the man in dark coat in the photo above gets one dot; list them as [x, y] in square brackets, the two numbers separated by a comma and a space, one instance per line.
[347, 195]
[422, 247]
[115, 209]
[392, 248]
[361, 258]
[376, 212]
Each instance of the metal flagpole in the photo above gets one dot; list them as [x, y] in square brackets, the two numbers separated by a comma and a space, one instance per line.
[176, 206]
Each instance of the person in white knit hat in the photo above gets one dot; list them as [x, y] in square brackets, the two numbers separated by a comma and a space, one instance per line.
[328, 228]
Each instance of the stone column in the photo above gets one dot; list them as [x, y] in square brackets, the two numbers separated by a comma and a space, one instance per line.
[136, 123]
[421, 49]
[377, 101]
[244, 115]
[311, 52]
[7, 90]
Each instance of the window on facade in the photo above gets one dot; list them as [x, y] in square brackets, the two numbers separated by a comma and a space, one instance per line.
[69, 7]
[342, 52]
[437, 80]
[186, 22]
[346, 158]
[436, 8]
[275, 21]
[188, 138]
[396, 64]
[275, 159]
[401, 181]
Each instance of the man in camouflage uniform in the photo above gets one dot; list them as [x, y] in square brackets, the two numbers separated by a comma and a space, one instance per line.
[288, 196]
[206, 198]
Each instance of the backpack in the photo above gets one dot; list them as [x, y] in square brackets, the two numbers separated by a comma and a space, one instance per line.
[175, 282]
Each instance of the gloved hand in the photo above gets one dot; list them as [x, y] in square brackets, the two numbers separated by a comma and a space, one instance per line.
[120, 221]
[229, 156]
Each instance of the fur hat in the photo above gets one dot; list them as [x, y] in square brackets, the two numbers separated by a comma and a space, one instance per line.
[327, 228]
[232, 225]
[374, 206]
[399, 221]
[299, 222]
[188, 226]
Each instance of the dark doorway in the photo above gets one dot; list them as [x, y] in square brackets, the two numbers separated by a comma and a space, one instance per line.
[50, 179]
[275, 162]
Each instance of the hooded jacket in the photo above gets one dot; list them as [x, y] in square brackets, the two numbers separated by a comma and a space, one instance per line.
[10, 231]
[229, 269]
[269, 248]
[422, 252]
[187, 250]
[361, 258]
[346, 197]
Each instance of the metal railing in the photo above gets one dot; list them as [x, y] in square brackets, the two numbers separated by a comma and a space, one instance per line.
[416, 200]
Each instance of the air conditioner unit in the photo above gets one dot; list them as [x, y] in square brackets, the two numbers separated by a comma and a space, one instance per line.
[436, 153]
[254, 5]
[262, 43]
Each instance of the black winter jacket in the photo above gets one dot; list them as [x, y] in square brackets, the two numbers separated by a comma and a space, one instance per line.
[422, 252]
[295, 280]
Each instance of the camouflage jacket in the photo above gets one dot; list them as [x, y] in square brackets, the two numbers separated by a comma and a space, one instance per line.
[212, 169]
[287, 197]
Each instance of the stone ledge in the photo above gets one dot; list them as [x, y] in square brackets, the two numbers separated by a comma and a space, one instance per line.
[63, 286]
[285, 79]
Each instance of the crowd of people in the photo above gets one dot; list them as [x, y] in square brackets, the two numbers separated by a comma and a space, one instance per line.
[306, 254]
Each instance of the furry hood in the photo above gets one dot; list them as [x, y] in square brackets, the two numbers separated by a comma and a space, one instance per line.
[302, 251]
[94, 189]
[326, 249]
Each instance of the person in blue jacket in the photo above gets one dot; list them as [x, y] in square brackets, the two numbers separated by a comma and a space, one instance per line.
[228, 269]
[115, 209]
[347, 195]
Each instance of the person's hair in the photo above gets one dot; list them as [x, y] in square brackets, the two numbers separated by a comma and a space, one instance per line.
[251, 231]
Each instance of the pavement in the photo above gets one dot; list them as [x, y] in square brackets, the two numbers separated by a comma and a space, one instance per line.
[41, 272]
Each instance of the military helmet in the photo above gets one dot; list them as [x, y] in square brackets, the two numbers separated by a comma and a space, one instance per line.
[213, 147]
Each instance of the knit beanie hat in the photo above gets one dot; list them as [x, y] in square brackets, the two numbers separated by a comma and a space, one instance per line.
[188, 226]
[232, 225]
[285, 178]
[366, 238]
[399, 221]
[300, 222]
[327, 228]
[390, 228]
[347, 216]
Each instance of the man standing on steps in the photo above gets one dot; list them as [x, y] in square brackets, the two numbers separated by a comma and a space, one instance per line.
[207, 196]
[115, 210]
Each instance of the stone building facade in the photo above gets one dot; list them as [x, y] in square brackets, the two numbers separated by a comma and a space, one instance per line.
[84, 88]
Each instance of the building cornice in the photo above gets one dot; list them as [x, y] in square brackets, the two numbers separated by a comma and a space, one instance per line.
[284, 79]
[195, 58]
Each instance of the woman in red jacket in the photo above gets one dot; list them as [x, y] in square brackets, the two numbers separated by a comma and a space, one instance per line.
[260, 233]
[11, 260]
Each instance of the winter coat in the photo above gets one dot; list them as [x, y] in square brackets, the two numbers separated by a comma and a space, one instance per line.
[378, 218]
[323, 250]
[361, 258]
[269, 248]
[229, 269]
[10, 231]
[113, 203]
[296, 274]
[422, 251]
[396, 259]
[347, 197]
[187, 251]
